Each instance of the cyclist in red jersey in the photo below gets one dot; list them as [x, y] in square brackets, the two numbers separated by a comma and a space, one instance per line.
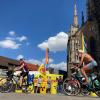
[24, 70]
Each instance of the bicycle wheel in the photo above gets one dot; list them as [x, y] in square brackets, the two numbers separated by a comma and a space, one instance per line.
[71, 87]
[97, 93]
[2, 81]
[97, 88]
[85, 91]
[7, 86]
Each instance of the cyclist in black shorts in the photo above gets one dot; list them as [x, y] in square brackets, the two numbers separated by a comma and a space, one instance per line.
[24, 70]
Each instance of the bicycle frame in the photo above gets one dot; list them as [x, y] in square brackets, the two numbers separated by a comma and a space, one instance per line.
[14, 80]
[89, 87]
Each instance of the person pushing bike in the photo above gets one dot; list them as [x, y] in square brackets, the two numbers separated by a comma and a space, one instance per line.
[90, 63]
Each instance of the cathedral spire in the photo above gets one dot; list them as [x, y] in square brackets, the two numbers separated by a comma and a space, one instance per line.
[75, 16]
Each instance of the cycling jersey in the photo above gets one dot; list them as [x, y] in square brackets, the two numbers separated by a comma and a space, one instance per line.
[25, 68]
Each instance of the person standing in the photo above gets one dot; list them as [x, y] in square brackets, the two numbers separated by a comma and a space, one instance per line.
[48, 85]
[60, 83]
[39, 83]
[36, 85]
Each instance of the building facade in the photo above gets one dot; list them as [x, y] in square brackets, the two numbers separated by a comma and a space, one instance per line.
[5, 63]
[93, 31]
[74, 43]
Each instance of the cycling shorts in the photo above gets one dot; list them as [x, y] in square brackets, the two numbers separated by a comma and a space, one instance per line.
[92, 64]
[24, 73]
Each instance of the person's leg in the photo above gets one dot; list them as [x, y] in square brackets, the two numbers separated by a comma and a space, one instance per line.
[26, 75]
[38, 86]
[39, 89]
[36, 89]
[47, 90]
[83, 70]
[87, 68]
[60, 88]
[21, 81]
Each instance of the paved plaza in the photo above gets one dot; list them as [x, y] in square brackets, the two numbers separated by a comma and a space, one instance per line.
[14, 96]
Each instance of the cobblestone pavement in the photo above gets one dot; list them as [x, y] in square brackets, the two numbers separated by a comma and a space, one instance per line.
[14, 96]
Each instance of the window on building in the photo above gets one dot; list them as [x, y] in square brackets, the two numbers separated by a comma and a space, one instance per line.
[93, 47]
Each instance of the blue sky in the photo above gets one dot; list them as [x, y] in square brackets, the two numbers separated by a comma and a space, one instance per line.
[26, 26]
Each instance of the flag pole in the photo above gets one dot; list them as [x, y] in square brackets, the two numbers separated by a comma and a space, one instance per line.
[47, 58]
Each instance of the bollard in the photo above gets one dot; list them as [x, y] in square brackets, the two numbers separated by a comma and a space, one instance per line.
[18, 91]
[54, 87]
[43, 86]
[93, 94]
[30, 89]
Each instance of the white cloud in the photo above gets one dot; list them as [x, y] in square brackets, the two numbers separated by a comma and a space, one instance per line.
[60, 66]
[20, 57]
[12, 33]
[10, 44]
[10, 38]
[50, 60]
[56, 43]
[12, 41]
[22, 38]
[34, 61]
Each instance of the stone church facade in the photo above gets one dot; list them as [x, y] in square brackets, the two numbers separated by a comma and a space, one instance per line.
[74, 43]
[91, 32]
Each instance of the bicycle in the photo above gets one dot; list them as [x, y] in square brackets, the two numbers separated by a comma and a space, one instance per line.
[75, 85]
[12, 83]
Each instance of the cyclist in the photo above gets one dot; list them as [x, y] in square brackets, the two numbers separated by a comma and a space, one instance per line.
[24, 71]
[90, 63]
